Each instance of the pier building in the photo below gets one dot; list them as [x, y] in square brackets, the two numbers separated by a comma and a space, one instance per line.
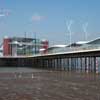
[80, 45]
[21, 46]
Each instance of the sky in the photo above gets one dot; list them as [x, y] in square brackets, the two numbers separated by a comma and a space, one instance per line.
[54, 20]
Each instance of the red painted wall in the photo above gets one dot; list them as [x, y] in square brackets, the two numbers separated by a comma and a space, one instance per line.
[45, 44]
[6, 47]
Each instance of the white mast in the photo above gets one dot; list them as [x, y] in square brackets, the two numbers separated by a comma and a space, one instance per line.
[69, 30]
[85, 25]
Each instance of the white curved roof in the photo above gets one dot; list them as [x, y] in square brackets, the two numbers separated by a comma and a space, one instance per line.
[58, 46]
[95, 40]
[82, 42]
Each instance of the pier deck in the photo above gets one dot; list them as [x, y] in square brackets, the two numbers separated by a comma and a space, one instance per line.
[82, 60]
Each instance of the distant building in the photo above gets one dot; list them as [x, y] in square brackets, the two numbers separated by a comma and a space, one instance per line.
[17, 46]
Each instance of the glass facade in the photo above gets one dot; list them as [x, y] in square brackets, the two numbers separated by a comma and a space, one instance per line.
[24, 46]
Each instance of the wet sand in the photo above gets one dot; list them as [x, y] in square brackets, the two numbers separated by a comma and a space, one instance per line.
[49, 85]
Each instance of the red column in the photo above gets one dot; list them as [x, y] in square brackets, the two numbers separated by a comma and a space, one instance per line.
[45, 45]
[6, 47]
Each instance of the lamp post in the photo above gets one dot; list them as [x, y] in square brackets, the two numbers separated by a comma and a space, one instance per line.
[35, 41]
[25, 44]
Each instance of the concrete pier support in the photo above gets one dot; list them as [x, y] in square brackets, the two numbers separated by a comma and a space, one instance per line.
[96, 65]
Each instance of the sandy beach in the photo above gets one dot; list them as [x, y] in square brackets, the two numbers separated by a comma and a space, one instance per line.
[48, 85]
